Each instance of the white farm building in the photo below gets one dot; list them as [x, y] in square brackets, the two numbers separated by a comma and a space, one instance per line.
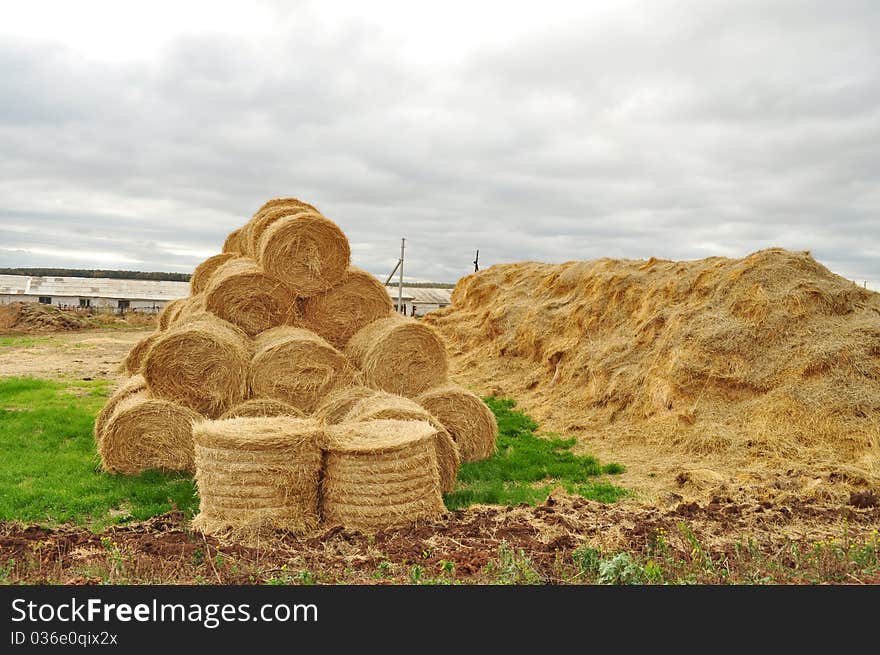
[149, 296]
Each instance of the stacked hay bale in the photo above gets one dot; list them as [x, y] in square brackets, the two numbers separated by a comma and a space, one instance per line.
[290, 386]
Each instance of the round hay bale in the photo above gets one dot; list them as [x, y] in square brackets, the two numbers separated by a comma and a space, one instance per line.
[266, 407]
[388, 406]
[268, 214]
[399, 355]
[145, 433]
[169, 313]
[241, 293]
[201, 365]
[298, 367]
[257, 471]
[233, 243]
[129, 387]
[470, 422]
[337, 314]
[191, 308]
[380, 474]
[307, 251]
[134, 360]
[337, 403]
[198, 281]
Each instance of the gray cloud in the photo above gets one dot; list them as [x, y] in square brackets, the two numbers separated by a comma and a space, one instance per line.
[682, 130]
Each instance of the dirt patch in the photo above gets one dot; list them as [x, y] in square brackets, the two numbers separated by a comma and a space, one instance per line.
[464, 546]
[94, 354]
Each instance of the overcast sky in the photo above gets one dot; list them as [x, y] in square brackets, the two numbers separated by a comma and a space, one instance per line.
[136, 136]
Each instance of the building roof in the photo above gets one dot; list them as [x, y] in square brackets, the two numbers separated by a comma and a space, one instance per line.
[87, 287]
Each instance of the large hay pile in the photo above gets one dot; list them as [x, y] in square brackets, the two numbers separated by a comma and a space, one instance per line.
[252, 359]
[762, 366]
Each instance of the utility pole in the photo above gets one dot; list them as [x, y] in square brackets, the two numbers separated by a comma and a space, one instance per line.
[400, 280]
[477, 261]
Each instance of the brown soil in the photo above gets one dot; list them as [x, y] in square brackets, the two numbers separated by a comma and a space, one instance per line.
[163, 549]
[95, 354]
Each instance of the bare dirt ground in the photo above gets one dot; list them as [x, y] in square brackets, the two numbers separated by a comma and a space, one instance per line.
[94, 354]
[715, 543]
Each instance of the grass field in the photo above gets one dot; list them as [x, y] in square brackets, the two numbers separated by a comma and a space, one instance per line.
[51, 474]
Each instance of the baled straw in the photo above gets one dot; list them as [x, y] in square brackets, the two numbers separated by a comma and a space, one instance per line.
[169, 312]
[399, 355]
[337, 403]
[467, 418]
[380, 474]
[298, 367]
[388, 406]
[257, 472]
[233, 244]
[129, 387]
[190, 309]
[134, 360]
[146, 433]
[201, 364]
[266, 407]
[241, 293]
[198, 282]
[268, 214]
[337, 314]
[307, 251]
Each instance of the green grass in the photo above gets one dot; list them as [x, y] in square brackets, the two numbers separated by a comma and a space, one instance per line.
[49, 471]
[15, 341]
[528, 466]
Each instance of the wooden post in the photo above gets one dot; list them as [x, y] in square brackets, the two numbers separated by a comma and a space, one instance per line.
[400, 280]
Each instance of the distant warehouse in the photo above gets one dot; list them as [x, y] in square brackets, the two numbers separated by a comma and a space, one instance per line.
[150, 296]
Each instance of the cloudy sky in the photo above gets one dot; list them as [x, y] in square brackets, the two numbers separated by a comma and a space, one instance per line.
[136, 136]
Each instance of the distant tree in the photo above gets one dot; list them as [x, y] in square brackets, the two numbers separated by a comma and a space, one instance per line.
[91, 272]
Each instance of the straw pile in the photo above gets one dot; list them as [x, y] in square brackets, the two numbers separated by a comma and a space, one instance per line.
[307, 251]
[399, 355]
[297, 366]
[255, 350]
[241, 293]
[470, 423]
[145, 433]
[337, 404]
[201, 365]
[256, 472]
[380, 474]
[388, 406]
[336, 314]
[769, 363]
[263, 407]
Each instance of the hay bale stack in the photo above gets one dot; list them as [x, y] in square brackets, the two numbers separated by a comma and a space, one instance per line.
[134, 360]
[467, 418]
[241, 293]
[265, 407]
[268, 214]
[257, 472]
[145, 433]
[359, 299]
[388, 406]
[298, 367]
[380, 474]
[169, 313]
[337, 404]
[198, 282]
[399, 355]
[233, 243]
[129, 387]
[201, 365]
[307, 251]
[189, 309]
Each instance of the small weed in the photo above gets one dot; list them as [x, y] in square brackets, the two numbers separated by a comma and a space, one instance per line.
[514, 567]
[621, 569]
[587, 559]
